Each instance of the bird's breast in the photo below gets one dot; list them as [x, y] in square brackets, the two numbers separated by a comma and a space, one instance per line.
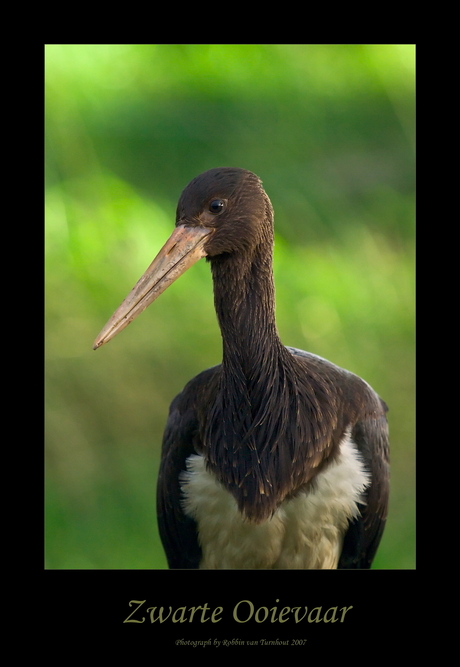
[305, 532]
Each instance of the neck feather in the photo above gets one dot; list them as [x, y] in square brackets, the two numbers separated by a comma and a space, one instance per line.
[266, 419]
[244, 298]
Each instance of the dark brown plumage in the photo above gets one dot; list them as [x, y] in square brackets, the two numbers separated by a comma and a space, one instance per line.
[270, 420]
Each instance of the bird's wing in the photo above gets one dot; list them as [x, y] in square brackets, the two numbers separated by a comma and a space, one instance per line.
[365, 531]
[370, 436]
[181, 439]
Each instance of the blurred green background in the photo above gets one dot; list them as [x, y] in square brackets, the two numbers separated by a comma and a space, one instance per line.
[330, 130]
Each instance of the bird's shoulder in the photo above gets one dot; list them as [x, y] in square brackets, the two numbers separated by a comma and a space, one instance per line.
[181, 436]
[198, 391]
[349, 385]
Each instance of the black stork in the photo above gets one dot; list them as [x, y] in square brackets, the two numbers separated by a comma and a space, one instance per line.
[276, 458]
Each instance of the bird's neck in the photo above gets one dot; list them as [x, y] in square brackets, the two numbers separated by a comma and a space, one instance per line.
[272, 423]
[244, 297]
[252, 426]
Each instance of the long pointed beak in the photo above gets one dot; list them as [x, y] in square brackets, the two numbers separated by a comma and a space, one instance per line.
[183, 248]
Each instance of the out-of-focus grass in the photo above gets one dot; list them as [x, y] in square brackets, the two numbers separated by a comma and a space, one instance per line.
[330, 131]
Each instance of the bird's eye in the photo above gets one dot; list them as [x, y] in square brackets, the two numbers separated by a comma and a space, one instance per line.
[216, 206]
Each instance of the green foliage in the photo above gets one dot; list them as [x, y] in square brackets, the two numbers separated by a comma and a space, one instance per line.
[330, 130]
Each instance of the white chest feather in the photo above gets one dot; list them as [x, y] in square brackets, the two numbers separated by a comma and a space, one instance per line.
[305, 532]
